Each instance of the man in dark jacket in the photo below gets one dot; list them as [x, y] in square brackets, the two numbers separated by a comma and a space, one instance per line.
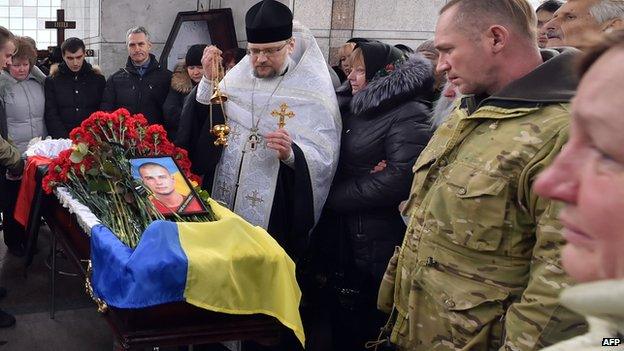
[142, 86]
[73, 91]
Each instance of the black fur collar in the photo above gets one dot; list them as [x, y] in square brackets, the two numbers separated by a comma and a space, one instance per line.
[413, 78]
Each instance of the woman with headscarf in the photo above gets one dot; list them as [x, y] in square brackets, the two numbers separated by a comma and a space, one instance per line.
[385, 127]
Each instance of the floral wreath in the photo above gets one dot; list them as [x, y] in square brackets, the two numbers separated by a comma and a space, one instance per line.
[97, 172]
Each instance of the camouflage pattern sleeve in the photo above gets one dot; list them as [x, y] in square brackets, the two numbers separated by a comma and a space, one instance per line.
[9, 155]
[538, 319]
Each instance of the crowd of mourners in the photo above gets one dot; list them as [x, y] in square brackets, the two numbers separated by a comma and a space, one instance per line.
[506, 126]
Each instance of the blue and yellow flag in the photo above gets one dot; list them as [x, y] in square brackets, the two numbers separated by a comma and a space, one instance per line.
[226, 266]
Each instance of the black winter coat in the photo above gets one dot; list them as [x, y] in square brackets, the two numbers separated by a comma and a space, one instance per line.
[71, 97]
[146, 95]
[388, 120]
[181, 86]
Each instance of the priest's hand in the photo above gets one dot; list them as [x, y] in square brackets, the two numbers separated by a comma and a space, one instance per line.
[281, 142]
[211, 61]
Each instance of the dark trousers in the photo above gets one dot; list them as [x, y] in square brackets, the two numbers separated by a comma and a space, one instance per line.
[335, 322]
[354, 323]
[14, 232]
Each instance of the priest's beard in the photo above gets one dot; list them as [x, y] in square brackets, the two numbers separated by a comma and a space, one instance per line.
[273, 73]
[442, 110]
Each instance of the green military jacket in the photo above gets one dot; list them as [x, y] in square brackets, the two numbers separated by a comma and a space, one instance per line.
[479, 268]
[9, 155]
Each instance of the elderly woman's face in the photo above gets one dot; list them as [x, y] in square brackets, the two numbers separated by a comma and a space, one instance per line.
[19, 68]
[588, 175]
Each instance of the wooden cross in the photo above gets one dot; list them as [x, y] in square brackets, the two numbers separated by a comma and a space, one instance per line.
[254, 198]
[60, 25]
[282, 113]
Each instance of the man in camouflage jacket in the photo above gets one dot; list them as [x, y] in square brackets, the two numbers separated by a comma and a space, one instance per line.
[479, 266]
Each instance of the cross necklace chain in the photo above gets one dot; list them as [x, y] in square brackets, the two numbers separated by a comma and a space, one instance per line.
[255, 138]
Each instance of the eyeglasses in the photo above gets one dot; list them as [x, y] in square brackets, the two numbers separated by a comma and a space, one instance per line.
[266, 52]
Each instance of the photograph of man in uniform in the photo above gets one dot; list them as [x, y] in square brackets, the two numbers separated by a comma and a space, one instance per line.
[157, 175]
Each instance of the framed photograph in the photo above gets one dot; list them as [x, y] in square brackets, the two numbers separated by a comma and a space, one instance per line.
[214, 27]
[168, 188]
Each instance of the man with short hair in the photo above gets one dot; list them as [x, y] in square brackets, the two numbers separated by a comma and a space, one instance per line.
[10, 159]
[479, 266]
[577, 21]
[162, 184]
[73, 90]
[142, 86]
[276, 177]
[545, 12]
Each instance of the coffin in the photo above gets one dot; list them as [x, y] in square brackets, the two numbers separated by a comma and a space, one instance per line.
[172, 324]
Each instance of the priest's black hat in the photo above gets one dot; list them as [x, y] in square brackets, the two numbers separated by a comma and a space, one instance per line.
[268, 21]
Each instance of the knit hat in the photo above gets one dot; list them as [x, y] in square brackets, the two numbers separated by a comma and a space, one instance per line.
[194, 55]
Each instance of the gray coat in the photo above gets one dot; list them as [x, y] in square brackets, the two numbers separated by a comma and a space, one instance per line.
[24, 106]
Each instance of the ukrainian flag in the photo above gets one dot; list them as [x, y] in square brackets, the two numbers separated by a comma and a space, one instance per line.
[226, 266]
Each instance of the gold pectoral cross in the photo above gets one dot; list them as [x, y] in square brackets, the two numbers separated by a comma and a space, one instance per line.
[281, 114]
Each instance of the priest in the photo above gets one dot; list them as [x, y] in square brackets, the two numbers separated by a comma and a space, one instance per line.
[284, 125]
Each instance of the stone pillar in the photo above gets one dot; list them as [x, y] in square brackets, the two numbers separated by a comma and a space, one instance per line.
[342, 24]
[316, 15]
[333, 22]
[408, 22]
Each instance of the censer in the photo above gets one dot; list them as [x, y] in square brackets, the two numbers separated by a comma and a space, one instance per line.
[221, 131]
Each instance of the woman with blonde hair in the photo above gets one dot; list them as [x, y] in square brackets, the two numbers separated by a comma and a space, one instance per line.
[342, 67]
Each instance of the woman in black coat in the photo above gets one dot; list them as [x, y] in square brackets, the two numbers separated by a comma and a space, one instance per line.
[185, 77]
[385, 127]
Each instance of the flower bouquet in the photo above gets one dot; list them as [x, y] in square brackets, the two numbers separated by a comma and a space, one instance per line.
[97, 172]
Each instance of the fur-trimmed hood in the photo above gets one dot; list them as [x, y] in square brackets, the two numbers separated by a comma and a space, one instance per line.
[180, 80]
[412, 79]
[57, 69]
